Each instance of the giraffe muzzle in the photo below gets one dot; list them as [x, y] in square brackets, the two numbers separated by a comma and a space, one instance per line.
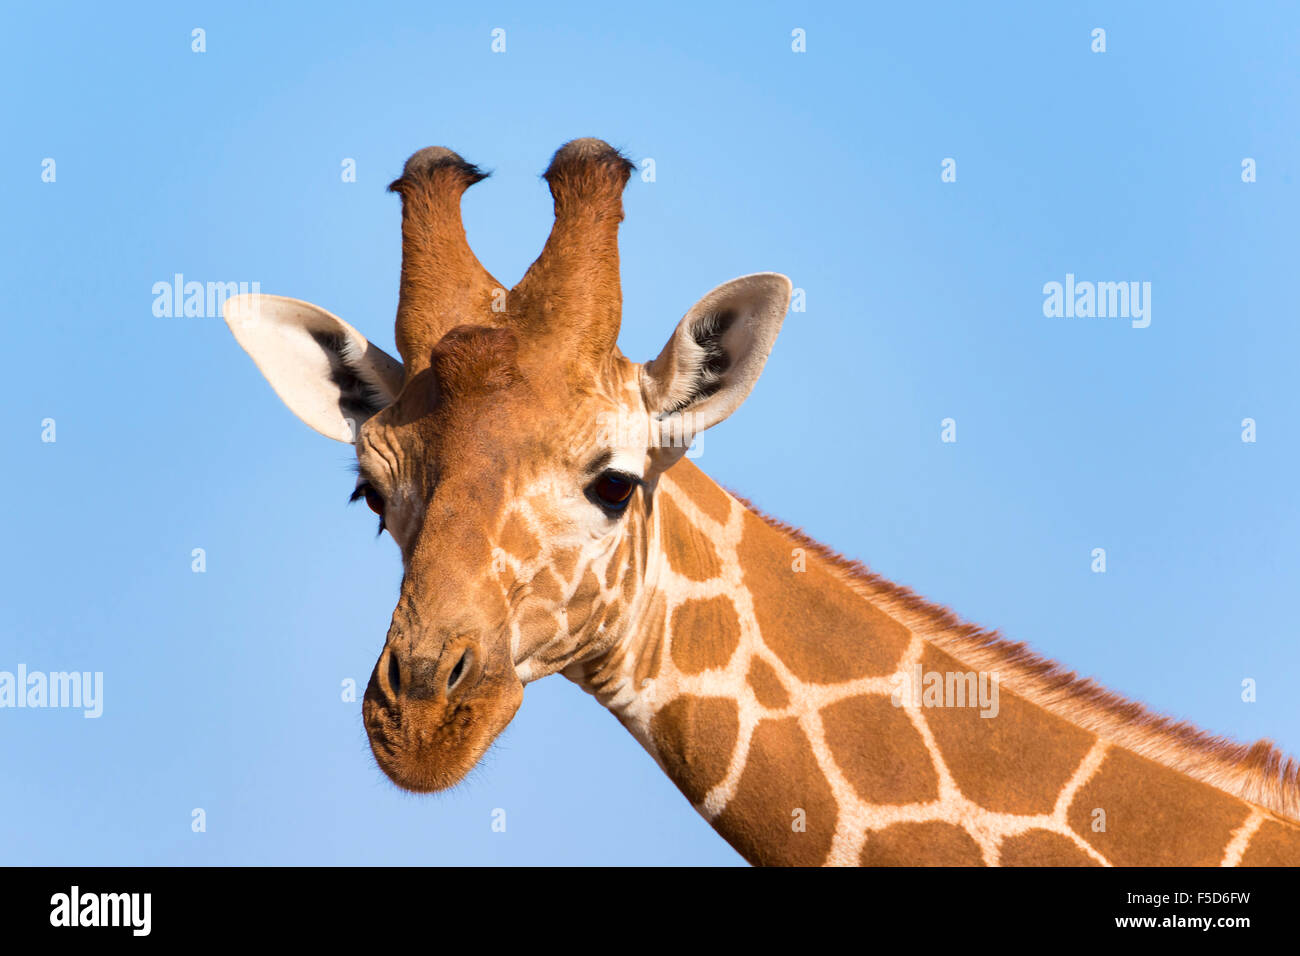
[430, 718]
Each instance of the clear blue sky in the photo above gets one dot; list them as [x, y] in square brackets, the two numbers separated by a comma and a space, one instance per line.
[924, 301]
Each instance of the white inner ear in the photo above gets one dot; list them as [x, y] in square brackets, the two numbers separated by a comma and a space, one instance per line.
[718, 350]
[326, 371]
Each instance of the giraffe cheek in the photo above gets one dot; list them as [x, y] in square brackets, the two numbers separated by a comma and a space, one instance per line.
[582, 606]
[538, 628]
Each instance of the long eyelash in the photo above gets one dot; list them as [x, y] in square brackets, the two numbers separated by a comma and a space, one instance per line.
[628, 477]
[358, 493]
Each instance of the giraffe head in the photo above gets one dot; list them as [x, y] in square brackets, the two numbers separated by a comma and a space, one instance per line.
[513, 453]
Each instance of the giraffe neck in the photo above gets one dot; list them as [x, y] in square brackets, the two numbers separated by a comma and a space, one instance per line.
[810, 724]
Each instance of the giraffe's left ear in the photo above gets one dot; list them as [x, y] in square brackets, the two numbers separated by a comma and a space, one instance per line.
[716, 354]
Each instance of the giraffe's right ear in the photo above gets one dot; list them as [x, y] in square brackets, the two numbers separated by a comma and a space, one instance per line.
[321, 367]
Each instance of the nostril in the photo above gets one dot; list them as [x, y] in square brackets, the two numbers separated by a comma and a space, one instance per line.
[458, 671]
[394, 674]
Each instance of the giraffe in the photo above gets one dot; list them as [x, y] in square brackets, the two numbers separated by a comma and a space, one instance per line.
[550, 520]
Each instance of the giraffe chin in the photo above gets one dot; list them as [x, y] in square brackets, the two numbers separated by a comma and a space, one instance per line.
[428, 746]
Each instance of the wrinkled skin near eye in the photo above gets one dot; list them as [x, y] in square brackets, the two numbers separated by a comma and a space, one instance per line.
[613, 490]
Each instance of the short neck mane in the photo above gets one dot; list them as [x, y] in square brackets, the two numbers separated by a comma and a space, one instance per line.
[814, 712]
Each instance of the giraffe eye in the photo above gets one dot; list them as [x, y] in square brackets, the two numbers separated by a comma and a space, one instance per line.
[614, 490]
[374, 500]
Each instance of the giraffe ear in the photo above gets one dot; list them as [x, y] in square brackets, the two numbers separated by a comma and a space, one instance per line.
[321, 367]
[716, 353]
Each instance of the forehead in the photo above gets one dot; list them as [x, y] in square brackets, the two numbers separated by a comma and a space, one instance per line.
[482, 393]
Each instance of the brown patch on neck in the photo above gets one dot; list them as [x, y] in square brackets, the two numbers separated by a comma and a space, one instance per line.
[767, 687]
[818, 626]
[1154, 816]
[703, 491]
[784, 812]
[689, 551]
[652, 646]
[694, 737]
[921, 844]
[879, 751]
[1042, 848]
[705, 633]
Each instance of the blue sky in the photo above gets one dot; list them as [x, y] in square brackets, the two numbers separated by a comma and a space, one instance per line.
[924, 302]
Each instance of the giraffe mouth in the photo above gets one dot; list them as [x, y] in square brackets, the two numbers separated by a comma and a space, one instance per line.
[427, 741]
